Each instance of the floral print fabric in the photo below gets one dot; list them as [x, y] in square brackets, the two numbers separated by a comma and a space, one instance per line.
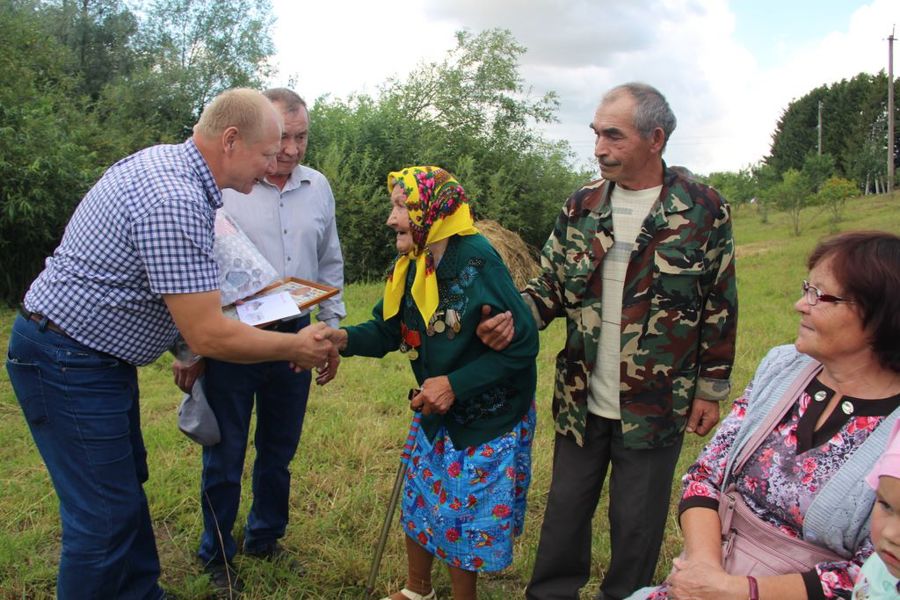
[466, 506]
[778, 484]
[438, 209]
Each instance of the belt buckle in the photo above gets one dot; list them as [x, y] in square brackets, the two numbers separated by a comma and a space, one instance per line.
[43, 321]
[25, 312]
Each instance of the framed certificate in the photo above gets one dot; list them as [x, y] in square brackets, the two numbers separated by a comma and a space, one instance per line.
[304, 293]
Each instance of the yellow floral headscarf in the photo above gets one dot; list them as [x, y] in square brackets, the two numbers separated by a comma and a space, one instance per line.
[438, 208]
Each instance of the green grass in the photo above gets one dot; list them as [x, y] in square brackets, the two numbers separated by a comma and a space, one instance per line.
[352, 438]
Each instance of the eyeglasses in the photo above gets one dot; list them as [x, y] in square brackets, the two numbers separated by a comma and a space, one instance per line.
[814, 295]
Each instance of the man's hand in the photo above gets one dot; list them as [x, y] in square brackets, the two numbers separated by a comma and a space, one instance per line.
[338, 339]
[703, 416]
[313, 348]
[436, 396]
[495, 332]
[186, 374]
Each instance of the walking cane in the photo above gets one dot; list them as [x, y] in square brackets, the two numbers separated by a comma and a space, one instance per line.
[395, 497]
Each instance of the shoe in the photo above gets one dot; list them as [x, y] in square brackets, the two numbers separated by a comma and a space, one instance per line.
[276, 553]
[224, 580]
[414, 596]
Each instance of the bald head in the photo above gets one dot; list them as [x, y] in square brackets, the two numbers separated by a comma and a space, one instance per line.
[243, 109]
[239, 135]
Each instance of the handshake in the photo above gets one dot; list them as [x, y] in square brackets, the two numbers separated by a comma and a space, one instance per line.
[315, 346]
[318, 346]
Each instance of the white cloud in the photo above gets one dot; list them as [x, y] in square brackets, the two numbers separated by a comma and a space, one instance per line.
[352, 46]
[569, 33]
[727, 104]
[843, 54]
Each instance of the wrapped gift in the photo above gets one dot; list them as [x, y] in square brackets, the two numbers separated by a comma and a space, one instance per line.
[243, 271]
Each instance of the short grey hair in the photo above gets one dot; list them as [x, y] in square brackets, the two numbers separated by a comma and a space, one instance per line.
[289, 99]
[651, 109]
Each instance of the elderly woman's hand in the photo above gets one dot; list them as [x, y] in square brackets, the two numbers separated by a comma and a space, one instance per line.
[698, 580]
[436, 396]
[327, 373]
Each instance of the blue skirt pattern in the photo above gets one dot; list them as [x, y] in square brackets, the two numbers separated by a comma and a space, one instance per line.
[467, 506]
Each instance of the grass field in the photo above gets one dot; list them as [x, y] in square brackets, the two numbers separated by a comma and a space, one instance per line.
[351, 443]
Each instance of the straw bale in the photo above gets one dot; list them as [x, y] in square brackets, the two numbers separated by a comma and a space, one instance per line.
[519, 257]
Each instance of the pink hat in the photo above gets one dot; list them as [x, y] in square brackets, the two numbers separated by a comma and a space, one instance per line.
[889, 463]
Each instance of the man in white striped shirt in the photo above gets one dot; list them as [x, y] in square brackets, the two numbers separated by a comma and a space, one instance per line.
[290, 218]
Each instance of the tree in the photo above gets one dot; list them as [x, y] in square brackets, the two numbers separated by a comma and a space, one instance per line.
[853, 128]
[99, 33]
[84, 83]
[765, 179]
[470, 114]
[867, 165]
[834, 194]
[796, 133]
[792, 195]
[187, 52]
[207, 46]
[476, 113]
[46, 159]
[816, 169]
[737, 188]
[475, 93]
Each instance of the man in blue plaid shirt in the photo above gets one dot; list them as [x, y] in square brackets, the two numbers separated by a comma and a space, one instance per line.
[134, 267]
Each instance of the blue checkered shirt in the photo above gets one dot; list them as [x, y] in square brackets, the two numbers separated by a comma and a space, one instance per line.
[145, 229]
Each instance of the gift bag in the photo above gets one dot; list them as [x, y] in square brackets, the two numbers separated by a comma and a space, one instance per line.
[196, 418]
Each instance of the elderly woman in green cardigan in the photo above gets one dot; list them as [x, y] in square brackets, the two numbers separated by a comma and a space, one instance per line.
[465, 491]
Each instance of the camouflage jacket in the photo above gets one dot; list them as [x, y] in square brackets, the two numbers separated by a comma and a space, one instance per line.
[679, 307]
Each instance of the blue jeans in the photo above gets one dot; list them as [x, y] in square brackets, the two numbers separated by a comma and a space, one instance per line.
[83, 411]
[280, 396]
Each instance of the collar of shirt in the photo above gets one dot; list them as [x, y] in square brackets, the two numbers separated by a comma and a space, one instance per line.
[296, 179]
[198, 163]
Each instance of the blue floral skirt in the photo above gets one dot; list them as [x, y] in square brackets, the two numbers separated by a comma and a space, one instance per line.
[467, 506]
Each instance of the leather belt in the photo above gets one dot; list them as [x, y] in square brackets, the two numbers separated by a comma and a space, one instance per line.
[41, 320]
[288, 326]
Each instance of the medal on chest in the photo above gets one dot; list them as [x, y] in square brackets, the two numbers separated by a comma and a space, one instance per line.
[410, 341]
[444, 322]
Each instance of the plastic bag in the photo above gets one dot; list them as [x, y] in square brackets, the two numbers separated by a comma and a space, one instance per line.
[242, 269]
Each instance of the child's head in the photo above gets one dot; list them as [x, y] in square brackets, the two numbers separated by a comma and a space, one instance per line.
[885, 480]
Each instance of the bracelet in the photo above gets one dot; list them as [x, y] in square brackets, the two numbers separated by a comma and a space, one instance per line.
[754, 588]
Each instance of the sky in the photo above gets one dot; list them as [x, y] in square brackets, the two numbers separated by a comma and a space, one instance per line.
[728, 68]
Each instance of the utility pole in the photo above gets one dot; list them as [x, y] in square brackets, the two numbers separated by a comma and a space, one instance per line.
[890, 107]
[820, 128]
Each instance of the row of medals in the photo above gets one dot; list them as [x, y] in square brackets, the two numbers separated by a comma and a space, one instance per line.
[441, 322]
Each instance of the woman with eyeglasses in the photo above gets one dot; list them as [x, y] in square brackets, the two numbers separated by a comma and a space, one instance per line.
[776, 506]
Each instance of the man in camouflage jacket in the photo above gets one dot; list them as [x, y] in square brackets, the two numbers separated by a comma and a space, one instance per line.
[679, 308]
[676, 345]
